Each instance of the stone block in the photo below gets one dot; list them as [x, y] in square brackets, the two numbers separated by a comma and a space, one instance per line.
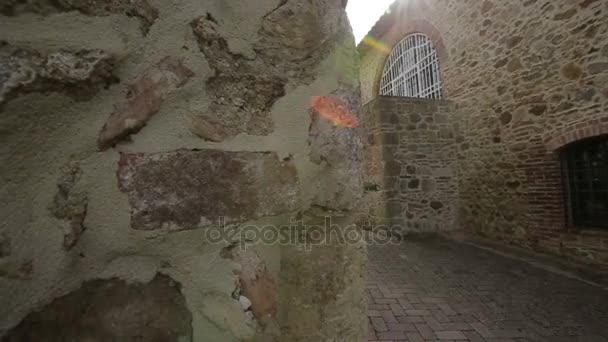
[79, 74]
[393, 209]
[70, 204]
[390, 139]
[597, 68]
[392, 168]
[188, 189]
[334, 136]
[111, 310]
[144, 99]
[436, 205]
[413, 184]
[140, 9]
[428, 185]
[255, 282]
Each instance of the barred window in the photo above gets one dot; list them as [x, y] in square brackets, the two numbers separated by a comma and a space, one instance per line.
[412, 69]
[585, 165]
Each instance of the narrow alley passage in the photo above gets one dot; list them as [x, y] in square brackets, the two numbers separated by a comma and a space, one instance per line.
[438, 290]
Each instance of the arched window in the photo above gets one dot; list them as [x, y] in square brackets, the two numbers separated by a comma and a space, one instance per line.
[412, 69]
[585, 165]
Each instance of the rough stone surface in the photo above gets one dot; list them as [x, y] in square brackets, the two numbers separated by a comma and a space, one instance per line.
[331, 136]
[256, 285]
[294, 39]
[510, 114]
[205, 130]
[416, 175]
[335, 140]
[70, 204]
[137, 8]
[191, 189]
[144, 99]
[79, 74]
[243, 90]
[16, 270]
[219, 94]
[111, 310]
[5, 245]
[328, 276]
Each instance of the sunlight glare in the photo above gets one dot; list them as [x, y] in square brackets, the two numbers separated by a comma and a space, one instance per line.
[363, 14]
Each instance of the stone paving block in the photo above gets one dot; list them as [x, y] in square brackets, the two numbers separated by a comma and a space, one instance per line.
[384, 301]
[402, 327]
[391, 335]
[446, 309]
[378, 307]
[405, 304]
[397, 309]
[378, 324]
[482, 330]
[450, 335]
[457, 326]
[411, 319]
[414, 337]
[425, 331]
[418, 312]
[473, 336]
[388, 317]
[433, 323]
[487, 303]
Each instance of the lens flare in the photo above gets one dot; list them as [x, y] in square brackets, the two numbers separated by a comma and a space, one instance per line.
[334, 110]
[376, 44]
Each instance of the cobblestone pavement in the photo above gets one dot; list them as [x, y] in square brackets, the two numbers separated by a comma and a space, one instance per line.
[437, 290]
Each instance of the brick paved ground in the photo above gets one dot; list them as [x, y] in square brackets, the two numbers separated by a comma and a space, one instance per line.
[439, 290]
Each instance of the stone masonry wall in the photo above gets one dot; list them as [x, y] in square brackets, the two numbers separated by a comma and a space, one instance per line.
[134, 132]
[527, 77]
[411, 169]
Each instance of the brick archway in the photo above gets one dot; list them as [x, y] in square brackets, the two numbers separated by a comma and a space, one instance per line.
[556, 142]
[402, 30]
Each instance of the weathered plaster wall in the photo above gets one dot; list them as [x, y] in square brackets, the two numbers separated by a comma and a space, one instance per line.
[410, 163]
[526, 77]
[130, 128]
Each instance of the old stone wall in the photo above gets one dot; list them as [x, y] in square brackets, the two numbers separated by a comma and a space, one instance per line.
[527, 77]
[411, 169]
[135, 132]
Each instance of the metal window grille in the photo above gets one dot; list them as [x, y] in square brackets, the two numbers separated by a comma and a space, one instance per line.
[412, 69]
[585, 166]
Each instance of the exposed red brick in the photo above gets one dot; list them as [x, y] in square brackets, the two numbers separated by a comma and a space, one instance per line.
[557, 141]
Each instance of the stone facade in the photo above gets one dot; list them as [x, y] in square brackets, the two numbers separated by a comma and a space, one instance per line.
[141, 139]
[415, 187]
[526, 78]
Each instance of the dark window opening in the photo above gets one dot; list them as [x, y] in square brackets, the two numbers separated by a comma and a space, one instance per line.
[585, 166]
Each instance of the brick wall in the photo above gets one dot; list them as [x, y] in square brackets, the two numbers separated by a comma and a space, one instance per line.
[527, 77]
[411, 163]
